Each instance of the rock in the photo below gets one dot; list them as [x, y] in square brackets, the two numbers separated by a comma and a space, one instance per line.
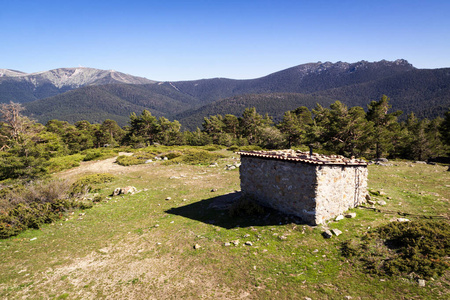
[389, 198]
[381, 202]
[165, 158]
[116, 192]
[247, 235]
[338, 218]
[336, 232]
[33, 239]
[421, 282]
[128, 190]
[431, 163]
[169, 198]
[213, 190]
[213, 165]
[350, 215]
[327, 234]
[371, 202]
[420, 162]
[148, 161]
[248, 243]
[381, 193]
[348, 297]
[235, 242]
[401, 220]
[368, 197]
[382, 159]
[283, 237]
[227, 244]
[197, 246]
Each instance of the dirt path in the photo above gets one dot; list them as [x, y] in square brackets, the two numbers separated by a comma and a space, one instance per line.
[97, 166]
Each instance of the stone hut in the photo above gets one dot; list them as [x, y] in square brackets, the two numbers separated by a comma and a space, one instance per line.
[313, 187]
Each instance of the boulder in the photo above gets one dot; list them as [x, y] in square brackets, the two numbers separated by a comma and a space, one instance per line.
[327, 234]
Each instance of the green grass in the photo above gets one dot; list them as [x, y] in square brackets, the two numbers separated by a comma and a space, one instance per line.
[140, 245]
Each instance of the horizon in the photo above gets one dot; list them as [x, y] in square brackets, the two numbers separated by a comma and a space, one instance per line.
[180, 41]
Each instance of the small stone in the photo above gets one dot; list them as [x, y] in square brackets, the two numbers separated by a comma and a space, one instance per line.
[197, 246]
[235, 242]
[248, 243]
[348, 297]
[168, 198]
[33, 239]
[148, 161]
[327, 234]
[371, 202]
[315, 250]
[381, 202]
[307, 298]
[157, 225]
[213, 190]
[350, 215]
[381, 193]
[165, 158]
[402, 220]
[247, 235]
[338, 218]
[336, 232]
[283, 238]
[184, 200]
[227, 244]
[421, 282]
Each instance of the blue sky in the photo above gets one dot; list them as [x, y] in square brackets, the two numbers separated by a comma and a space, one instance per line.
[184, 40]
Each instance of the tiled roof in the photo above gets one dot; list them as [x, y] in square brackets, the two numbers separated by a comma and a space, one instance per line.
[299, 156]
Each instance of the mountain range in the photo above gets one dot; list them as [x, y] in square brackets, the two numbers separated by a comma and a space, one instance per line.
[74, 94]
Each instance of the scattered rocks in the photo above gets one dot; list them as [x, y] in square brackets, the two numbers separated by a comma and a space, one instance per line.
[401, 220]
[336, 232]
[338, 218]
[235, 242]
[350, 215]
[124, 190]
[327, 234]
[381, 202]
[421, 282]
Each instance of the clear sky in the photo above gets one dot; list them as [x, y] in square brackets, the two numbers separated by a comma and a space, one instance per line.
[183, 40]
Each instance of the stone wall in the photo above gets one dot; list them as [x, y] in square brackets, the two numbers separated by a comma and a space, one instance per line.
[339, 188]
[312, 192]
[286, 186]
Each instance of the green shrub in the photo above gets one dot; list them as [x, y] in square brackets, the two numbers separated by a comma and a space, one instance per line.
[84, 184]
[30, 206]
[233, 148]
[212, 147]
[196, 157]
[61, 163]
[129, 160]
[173, 154]
[419, 247]
[250, 148]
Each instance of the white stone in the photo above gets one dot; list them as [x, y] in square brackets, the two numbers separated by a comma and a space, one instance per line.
[338, 218]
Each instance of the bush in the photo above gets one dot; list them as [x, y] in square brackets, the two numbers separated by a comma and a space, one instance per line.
[196, 157]
[233, 148]
[84, 184]
[30, 206]
[129, 160]
[419, 247]
[61, 163]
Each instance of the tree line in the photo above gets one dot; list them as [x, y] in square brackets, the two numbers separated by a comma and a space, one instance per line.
[26, 145]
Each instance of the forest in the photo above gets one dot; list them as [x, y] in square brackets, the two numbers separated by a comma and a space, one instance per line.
[27, 146]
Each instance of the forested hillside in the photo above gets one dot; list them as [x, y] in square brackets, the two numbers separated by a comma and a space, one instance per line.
[424, 92]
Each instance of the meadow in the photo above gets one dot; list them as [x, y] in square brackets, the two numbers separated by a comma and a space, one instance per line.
[176, 239]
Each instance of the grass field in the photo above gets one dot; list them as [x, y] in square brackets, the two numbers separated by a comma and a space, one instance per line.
[143, 246]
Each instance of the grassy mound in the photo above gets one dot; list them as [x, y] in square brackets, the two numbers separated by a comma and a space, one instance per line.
[421, 248]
